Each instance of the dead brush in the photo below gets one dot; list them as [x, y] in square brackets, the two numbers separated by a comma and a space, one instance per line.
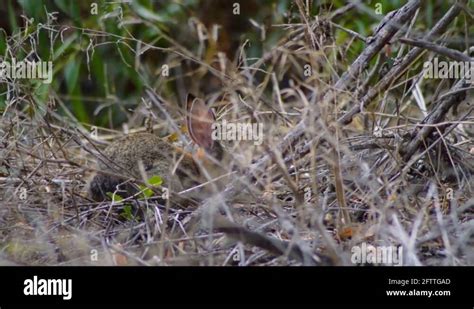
[341, 162]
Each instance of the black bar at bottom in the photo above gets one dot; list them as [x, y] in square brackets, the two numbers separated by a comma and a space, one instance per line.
[189, 285]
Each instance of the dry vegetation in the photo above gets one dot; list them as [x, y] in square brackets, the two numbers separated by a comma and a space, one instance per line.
[320, 183]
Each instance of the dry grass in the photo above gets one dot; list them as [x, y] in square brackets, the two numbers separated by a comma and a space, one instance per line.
[336, 186]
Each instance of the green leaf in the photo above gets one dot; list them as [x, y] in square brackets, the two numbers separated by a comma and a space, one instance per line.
[12, 17]
[147, 192]
[69, 7]
[59, 51]
[115, 197]
[155, 181]
[71, 72]
[32, 8]
[3, 42]
[146, 13]
[127, 212]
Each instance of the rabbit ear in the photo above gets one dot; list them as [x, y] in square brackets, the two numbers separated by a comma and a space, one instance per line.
[199, 120]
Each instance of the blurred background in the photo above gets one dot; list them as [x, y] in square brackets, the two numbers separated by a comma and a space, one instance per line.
[105, 52]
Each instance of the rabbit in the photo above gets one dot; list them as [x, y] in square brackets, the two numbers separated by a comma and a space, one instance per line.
[144, 155]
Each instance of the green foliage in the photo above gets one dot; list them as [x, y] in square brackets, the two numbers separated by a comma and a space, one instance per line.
[127, 208]
[100, 73]
[71, 8]
[115, 197]
[33, 8]
[154, 181]
[127, 212]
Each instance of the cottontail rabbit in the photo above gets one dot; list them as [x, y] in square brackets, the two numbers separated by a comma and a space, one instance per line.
[144, 155]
